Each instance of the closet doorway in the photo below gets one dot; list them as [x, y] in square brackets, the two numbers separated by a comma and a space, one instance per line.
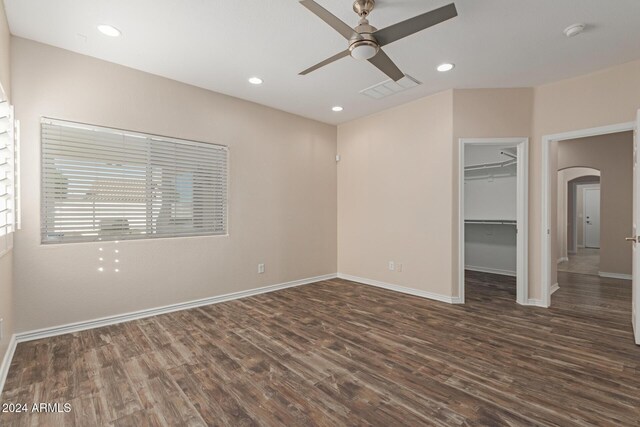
[493, 196]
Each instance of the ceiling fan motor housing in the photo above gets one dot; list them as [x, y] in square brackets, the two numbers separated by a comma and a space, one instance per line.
[364, 45]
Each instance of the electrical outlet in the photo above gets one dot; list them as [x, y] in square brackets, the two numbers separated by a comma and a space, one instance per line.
[260, 268]
[392, 265]
[399, 268]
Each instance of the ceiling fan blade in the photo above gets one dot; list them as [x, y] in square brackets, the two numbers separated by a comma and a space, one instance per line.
[322, 13]
[413, 25]
[386, 65]
[326, 61]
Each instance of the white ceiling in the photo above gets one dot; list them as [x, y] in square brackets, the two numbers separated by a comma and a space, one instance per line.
[218, 44]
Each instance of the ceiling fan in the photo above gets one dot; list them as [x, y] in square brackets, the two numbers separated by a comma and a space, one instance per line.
[366, 41]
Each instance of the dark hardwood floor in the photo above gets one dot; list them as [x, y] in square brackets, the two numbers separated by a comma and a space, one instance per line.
[339, 353]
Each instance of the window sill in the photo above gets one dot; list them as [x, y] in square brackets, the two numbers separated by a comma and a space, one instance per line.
[132, 241]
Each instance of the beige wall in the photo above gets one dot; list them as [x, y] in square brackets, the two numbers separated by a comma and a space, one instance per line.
[5, 46]
[397, 192]
[564, 207]
[485, 113]
[6, 261]
[607, 97]
[394, 202]
[282, 208]
[612, 155]
[6, 300]
[398, 188]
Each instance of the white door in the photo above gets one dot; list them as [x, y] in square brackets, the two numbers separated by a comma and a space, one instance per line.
[592, 218]
[635, 311]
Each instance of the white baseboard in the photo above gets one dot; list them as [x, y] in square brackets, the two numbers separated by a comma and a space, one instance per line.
[554, 288]
[120, 318]
[614, 275]
[563, 259]
[402, 289]
[490, 270]
[6, 361]
[536, 303]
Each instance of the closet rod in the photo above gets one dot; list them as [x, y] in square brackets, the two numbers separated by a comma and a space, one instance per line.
[513, 159]
[491, 165]
[491, 221]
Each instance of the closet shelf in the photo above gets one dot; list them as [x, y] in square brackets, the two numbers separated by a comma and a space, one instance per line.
[491, 221]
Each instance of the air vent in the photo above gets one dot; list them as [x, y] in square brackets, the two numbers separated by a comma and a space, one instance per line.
[389, 87]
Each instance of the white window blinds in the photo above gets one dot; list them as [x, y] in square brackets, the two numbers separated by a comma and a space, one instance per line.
[8, 176]
[107, 184]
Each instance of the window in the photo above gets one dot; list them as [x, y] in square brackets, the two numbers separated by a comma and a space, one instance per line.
[8, 175]
[107, 184]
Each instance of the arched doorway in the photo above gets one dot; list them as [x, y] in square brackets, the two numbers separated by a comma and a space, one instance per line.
[578, 244]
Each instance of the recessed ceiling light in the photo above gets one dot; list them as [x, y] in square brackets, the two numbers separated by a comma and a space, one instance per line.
[255, 80]
[109, 30]
[337, 108]
[574, 30]
[445, 67]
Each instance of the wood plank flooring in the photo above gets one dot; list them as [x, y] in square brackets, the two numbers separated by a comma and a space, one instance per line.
[339, 353]
[585, 261]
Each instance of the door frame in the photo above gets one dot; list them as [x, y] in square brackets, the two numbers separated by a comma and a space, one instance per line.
[584, 214]
[545, 230]
[572, 188]
[522, 211]
[635, 270]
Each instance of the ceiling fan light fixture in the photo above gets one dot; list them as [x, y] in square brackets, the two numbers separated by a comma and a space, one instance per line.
[363, 49]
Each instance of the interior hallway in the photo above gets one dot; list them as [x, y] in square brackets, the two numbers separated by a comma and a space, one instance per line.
[586, 261]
